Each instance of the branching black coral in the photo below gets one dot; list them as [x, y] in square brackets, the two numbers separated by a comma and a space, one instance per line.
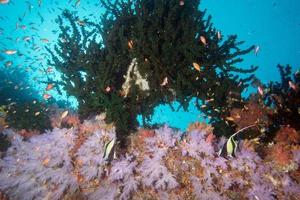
[145, 43]
[284, 98]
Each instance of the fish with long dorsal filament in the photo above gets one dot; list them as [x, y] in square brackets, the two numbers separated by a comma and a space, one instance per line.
[230, 147]
[109, 150]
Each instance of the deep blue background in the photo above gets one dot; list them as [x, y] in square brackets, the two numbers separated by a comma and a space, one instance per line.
[273, 25]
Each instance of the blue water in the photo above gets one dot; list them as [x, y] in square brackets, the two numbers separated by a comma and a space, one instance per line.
[273, 25]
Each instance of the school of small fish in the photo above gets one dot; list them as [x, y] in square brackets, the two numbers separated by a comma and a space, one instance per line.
[22, 42]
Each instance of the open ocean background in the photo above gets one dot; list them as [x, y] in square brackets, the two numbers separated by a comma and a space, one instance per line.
[273, 25]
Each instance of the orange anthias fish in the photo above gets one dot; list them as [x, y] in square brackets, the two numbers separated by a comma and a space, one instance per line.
[197, 66]
[46, 96]
[49, 87]
[130, 44]
[203, 40]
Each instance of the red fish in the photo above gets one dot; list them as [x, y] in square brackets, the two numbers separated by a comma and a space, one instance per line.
[46, 96]
[49, 87]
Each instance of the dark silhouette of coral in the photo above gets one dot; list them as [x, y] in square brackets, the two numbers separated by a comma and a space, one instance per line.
[152, 52]
[284, 98]
[21, 102]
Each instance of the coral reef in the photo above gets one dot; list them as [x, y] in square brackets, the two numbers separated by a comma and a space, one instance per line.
[147, 56]
[165, 164]
[284, 98]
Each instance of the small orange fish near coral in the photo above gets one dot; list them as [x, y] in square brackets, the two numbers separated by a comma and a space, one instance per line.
[46, 96]
[130, 44]
[203, 40]
[197, 66]
[49, 87]
[165, 82]
[46, 161]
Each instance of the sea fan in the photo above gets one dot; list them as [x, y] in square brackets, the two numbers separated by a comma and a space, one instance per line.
[260, 191]
[245, 160]
[38, 168]
[202, 192]
[164, 136]
[122, 173]
[289, 186]
[153, 171]
[108, 191]
[195, 146]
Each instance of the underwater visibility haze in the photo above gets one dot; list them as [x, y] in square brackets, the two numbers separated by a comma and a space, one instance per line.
[149, 99]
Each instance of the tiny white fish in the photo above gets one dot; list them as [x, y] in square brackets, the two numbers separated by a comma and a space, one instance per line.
[37, 113]
[10, 52]
[219, 35]
[260, 90]
[107, 89]
[256, 50]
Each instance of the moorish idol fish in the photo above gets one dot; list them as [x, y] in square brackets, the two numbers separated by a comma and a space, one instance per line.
[109, 150]
[230, 146]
